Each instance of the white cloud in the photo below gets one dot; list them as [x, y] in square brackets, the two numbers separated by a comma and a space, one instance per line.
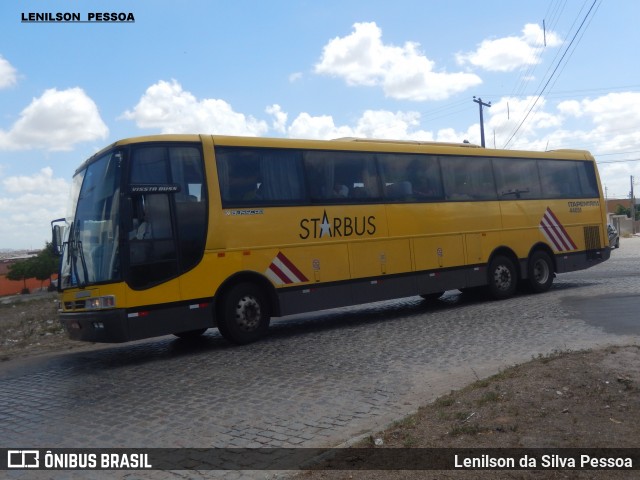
[615, 110]
[294, 77]
[55, 121]
[506, 115]
[571, 108]
[28, 204]
[169, 108]
[389, 125]
[8, 74]
[615, 118]
[320, 127]
[41, 182]
[510, 53]
[379, 124]
[361, 59]
[279, 123]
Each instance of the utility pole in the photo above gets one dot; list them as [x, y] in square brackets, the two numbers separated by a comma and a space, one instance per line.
[480, 105]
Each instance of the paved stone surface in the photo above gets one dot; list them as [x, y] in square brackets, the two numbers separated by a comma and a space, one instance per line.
[317, 380]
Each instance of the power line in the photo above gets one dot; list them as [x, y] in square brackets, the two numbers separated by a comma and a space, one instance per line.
[568, 93]
[619, 161]
[553, 13]
[552, 74]
[617, 153]
[576, 45]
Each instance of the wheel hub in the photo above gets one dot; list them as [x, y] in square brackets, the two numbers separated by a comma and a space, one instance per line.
[502, 278]
[541, 272]
[248, 313]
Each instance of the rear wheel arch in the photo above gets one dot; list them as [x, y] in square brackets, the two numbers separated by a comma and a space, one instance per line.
[506, 252]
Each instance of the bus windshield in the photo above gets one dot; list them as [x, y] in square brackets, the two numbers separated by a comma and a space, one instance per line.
[91, 253]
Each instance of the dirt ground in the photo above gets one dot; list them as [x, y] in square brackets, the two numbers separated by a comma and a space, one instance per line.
[578, 400]
[587, 399]
[29, 326]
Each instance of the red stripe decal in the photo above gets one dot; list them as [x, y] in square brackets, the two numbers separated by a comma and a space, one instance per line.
[292, 267]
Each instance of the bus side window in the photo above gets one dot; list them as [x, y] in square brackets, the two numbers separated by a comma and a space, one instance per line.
[341, 177]
[559, 179]
[252, 176]
[410, 177]
[320, 170]
[468, 179]
[588, 182]
[516, 179]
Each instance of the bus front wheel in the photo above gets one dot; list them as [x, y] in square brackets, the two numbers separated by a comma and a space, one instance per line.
[540, 274]
[244, 314]
[502, 277]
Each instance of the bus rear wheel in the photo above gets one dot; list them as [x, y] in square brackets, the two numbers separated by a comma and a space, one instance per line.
[502, 277]
[244, 314]
[540, 274]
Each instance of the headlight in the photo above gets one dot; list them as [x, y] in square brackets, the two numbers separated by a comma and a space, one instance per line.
[98, 303]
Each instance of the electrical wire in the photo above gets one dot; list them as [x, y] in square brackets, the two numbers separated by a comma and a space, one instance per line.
[551, 76]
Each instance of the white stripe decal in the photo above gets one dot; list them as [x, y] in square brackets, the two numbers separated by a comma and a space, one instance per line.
[285, 270]
[555, 233]
[282, 271]
[271, 275]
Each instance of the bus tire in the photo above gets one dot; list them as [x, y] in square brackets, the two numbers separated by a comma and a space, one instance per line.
[190, 334]
[502, 277]
[244, 314]
[540, 272]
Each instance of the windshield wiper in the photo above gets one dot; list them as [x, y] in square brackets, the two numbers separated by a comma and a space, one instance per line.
[75, 245]
[515, 192]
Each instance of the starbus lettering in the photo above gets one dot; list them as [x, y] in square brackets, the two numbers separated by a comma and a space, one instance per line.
[337, 226]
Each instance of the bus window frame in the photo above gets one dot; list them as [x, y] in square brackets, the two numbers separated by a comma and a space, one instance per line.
[377, 160]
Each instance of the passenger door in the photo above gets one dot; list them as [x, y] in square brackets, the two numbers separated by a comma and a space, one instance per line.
[167, 214]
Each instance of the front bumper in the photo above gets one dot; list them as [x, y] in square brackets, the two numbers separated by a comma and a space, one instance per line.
[109, 326]
[119, 325]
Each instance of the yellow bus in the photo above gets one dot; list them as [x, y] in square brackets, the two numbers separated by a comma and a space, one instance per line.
[175, 234]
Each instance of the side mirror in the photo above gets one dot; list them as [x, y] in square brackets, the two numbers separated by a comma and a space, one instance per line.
[57, 236]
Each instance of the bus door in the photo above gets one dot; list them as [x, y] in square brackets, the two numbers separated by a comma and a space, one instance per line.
[166, 219]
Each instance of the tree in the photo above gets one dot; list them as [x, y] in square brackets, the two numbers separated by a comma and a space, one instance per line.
[21, 270]
[622, 210]
[41, 267]
[44, 264]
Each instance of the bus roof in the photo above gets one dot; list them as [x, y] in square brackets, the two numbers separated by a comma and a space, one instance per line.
[406, 142]
[348, 143]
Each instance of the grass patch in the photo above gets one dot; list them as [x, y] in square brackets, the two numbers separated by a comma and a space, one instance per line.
[488, 397]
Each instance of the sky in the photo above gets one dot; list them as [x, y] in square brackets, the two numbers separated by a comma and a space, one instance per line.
[558, 74]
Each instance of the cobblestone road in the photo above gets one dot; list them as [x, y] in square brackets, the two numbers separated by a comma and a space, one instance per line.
[317, 380]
